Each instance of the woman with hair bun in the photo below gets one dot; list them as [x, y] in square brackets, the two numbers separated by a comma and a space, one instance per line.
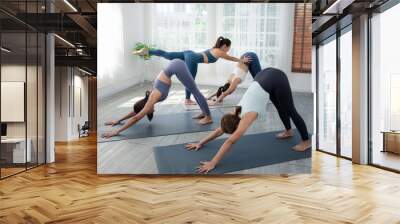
[192, 59]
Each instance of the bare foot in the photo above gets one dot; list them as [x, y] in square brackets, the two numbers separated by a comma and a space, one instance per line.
[205, 120]
[199, 116]
[190, 102]
[142, 52]
[285, 134]
[302, 146]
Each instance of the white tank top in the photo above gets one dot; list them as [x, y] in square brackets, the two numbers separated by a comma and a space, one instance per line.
[238, 72]
[255, 99]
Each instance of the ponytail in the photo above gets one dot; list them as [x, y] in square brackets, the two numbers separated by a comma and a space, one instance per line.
[238, 110]
[139, 105]
[223, 88]
[221, 41]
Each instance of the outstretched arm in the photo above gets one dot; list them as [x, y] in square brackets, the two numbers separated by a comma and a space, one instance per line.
[224, 55]
[213, 135]
[129, 115]
[148, 107]
[235, 82]
[244, 124]
[210, 97]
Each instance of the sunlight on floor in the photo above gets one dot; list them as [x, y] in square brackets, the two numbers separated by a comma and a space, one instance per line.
[174, 97]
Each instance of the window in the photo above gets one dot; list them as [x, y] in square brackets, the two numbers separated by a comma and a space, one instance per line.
[327, 97]
[385, 89]
[252, 27]
[180, 26]
[346, 94]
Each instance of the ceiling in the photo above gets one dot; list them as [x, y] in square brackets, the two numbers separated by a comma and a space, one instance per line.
[331, 15]
[74, 22]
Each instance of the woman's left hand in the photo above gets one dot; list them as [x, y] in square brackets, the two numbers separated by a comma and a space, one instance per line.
[212, 102]
[246, 59]
[205, 167]
[109, 134]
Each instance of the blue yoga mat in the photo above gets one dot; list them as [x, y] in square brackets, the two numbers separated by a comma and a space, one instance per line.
[165, 124]
[250, 151]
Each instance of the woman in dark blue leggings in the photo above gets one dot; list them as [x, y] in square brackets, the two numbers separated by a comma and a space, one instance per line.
[192, 59]
[269, 83]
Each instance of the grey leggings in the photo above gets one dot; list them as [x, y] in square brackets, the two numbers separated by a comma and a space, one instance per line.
[179, 68]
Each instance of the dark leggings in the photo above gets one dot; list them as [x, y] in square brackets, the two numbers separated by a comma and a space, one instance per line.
[254, 65]
[276, 83]
[192, 59]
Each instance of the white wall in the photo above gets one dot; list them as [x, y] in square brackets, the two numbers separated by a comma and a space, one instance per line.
[119, 27]
[66, 121]
[118, 69]
[61, 103]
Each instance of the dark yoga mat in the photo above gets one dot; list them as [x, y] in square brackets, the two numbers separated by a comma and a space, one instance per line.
[250, 151]
[165, 124]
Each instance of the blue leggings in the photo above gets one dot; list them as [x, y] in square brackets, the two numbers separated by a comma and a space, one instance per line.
[191, 59]
[179, 68]
[254, 65]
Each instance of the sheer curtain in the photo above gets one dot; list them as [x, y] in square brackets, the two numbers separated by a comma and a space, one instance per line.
[250, 27]
[177, 27]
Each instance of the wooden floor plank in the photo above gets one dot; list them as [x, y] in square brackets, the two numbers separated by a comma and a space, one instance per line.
[70, 191]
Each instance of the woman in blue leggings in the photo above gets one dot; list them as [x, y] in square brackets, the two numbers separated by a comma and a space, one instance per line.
[192, 59]
[159, 93]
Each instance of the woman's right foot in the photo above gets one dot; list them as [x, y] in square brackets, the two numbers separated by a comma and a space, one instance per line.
[189, 102]
[205, 120]
[285, 134]
[199, 116]
[142, 52]
[302, 146]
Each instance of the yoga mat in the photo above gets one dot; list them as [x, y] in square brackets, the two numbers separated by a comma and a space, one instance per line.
[250, 151]
[229, 101]
[165, 124]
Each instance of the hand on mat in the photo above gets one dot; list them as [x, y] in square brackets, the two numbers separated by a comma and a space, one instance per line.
[212, 102]
[205, 167]
[112, 123]
[109, 134]
[193, 146]
[246, 59]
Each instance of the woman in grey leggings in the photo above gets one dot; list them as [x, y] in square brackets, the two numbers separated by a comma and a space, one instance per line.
[160, 92]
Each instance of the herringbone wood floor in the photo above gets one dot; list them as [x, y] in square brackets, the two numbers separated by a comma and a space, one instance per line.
[70, 191]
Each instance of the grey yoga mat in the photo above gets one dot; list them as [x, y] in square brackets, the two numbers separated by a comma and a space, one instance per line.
[229, 101]
[250, 151]
[165, 124]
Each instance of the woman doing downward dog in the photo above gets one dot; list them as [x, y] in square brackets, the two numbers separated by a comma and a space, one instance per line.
[269, 83]
[237, 76]
[160, 92]
[192, 59]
